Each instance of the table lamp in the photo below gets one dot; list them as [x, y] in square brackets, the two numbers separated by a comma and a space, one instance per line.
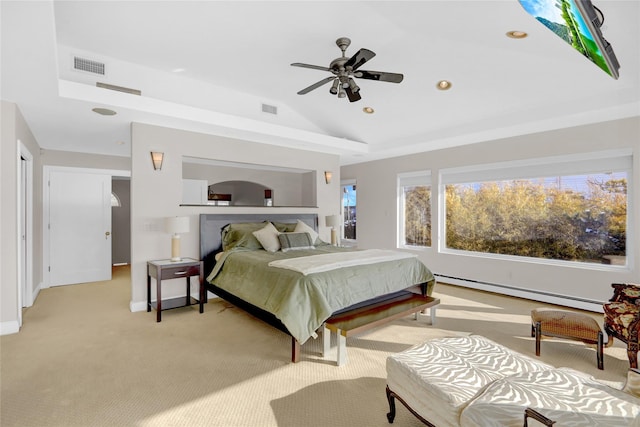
[176, 225]
[333, 221]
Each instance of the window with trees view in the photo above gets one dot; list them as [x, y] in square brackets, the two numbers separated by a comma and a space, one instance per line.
[579, 217]
[415, 209]
[349, 211]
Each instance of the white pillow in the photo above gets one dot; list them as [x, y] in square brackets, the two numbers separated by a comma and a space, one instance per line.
[268, 237]
[302, 227]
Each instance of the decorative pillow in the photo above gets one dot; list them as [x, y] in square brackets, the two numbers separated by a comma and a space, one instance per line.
[295, 241]
[268, 237]
[302, 227]
[285, 227]
[240, 235]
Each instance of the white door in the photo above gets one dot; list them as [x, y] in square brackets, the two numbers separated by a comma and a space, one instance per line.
[79, 227]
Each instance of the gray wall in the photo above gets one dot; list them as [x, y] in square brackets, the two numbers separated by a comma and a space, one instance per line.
[377, 208]
[158, 194]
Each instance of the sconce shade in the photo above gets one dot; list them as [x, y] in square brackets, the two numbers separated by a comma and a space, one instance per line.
[327, 176]
[332, 221]
[157, 157]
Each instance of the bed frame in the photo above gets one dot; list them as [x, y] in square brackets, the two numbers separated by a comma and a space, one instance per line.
[211, 243]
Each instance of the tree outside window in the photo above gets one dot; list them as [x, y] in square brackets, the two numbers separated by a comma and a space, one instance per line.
[579, 218]
[415, 209]
[349, 211]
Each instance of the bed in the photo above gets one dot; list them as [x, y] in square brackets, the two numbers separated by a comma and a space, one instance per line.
[297, 301]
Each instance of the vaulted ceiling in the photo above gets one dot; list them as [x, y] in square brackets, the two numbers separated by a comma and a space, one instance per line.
[214, 66]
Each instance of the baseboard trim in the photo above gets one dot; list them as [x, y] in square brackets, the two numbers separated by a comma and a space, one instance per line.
[10, 327]
[534, 295]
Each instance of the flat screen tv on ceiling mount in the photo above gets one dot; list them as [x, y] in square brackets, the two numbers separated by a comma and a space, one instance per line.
[578, 23]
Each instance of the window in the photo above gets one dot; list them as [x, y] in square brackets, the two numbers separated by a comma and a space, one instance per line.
[115, 200]
[567, 209]
[414, 209]
[349, 210]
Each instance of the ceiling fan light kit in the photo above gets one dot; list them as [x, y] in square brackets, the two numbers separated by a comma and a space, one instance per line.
[345, 69]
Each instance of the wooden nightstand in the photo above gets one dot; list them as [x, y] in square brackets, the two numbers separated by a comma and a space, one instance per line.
[167, 269]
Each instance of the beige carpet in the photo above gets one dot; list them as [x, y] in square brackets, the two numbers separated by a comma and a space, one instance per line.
[83, 359]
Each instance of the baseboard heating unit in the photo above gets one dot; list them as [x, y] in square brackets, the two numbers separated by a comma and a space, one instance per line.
[535, 295]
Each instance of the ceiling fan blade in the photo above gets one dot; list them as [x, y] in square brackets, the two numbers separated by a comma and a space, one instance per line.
[313, 67]
[360, 57]
[316, 85]
[379, 75]
[353, 96]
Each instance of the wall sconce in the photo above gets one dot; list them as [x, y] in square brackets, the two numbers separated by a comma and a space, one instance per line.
[333, 221]
[176, 225]
[327, 176]
[156, 158]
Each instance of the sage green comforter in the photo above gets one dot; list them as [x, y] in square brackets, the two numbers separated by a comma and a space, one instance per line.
[303, 303]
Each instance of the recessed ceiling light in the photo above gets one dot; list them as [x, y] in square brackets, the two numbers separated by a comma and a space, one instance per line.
[179, 70]
[368, 110]
[104, 111]
[444, 85]
[516, 34]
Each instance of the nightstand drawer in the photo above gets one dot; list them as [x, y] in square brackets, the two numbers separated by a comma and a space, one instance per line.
[180, 271]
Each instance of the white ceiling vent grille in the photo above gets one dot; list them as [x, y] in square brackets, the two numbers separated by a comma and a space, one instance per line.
[88, 65]
[270, 109]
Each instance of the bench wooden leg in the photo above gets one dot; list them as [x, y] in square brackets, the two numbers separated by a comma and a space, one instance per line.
[599, 351]
[342, 349]
[432, 314]
[538, 327]
[391, 415]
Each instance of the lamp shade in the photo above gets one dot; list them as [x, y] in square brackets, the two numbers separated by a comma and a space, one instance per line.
[332, 221]
[177, 224]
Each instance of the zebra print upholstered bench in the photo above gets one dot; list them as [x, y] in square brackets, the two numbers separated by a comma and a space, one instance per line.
[472, 381]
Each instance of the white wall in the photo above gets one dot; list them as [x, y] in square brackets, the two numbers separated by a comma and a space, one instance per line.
[158, 194]
[15, 128]
[377, 207]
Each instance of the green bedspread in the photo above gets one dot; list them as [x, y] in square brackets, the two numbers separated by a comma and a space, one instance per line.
[303, 303]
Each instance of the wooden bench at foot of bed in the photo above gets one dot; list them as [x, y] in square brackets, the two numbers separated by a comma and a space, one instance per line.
[371, 316]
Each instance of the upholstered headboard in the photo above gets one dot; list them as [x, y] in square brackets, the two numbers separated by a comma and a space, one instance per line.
[211, 226]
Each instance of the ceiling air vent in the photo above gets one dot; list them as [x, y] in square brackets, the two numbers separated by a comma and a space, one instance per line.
[88, 65]
[271, 109]
[119, 88]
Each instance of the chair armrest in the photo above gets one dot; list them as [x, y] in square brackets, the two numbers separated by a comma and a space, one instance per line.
[532, 413]
[619, 293]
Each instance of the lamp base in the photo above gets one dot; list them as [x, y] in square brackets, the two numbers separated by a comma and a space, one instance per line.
[175, 248]
[334, 237]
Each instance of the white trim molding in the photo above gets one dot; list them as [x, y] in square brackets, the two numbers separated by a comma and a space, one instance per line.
[534, 295]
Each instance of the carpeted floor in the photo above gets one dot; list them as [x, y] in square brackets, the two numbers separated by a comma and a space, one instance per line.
[83, 359]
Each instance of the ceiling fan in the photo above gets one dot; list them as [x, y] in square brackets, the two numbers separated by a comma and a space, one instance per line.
[344, 69]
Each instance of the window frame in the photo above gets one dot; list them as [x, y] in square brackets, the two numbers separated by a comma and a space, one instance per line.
[422, 177]
[576, 164]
